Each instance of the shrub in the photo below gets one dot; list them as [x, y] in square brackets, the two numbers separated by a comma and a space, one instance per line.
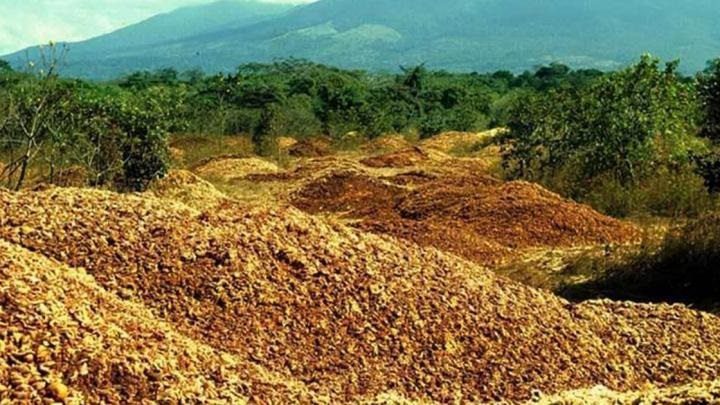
[605, 142]
[121, 137]
[709, 168]
[621, 125]
[293, 117]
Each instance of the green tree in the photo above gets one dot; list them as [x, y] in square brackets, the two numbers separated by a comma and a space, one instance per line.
[709, 91]
[622, 125]
[34, 115]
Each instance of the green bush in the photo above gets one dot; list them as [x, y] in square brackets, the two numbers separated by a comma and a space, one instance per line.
[709, 168]
[622, 142]
[120, 137]
[293, 117]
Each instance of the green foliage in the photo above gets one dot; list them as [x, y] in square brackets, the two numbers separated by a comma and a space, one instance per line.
[300, 98]
[708, 165]
[593, 136]
[293, 116]
[146, 80]
[669, 192]
[709, 91]
[145, 120]
[624, 126]
[35, 116]
[118, 137]
[5, 66]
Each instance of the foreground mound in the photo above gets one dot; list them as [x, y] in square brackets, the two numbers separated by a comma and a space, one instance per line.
[353, 315]
[695, 393]
[477, 217]
[65, 339]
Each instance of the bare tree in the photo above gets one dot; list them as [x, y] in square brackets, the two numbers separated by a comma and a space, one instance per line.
[29, 122]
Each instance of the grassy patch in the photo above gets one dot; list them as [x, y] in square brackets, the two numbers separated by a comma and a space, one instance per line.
[188, 150]
[684, 268]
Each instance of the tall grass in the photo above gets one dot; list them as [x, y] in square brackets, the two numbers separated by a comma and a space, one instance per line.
[685, 268]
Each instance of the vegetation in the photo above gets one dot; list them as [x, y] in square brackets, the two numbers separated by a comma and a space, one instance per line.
[683, 269]
[639, 140]
[116, 132]
[614, 141]
[117, 137]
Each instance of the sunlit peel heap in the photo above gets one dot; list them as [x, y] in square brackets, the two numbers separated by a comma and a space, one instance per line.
[475, 216]
[349, 315]
[64, 338]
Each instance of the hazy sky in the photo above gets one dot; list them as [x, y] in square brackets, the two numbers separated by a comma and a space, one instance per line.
[30, 22]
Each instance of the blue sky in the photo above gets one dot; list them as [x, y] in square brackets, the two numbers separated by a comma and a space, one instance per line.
[30, 22]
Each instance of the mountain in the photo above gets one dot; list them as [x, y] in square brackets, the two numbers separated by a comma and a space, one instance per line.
[463, 35]
[184, 22]
[124, 50]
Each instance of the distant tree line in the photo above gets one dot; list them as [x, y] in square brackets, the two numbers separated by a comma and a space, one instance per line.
[117, 130]
[300, 98]
[570, 129]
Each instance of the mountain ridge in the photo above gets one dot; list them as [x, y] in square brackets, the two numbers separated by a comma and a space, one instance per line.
[378, 35]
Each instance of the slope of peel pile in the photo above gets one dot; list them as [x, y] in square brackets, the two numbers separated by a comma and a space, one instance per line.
[352, 315]
[706, 392]
[63, 338]
[477, 217]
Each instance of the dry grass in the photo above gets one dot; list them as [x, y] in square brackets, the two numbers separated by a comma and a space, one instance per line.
[188, 150]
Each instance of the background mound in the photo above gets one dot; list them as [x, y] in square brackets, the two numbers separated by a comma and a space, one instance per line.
[386, 143]
[284, 143]
[234, 168]
[477, 217]
[347, 191]
[450, 141]
[404, 158]
[311, 147]
[185, 187]
[352, 314]
[516, 214]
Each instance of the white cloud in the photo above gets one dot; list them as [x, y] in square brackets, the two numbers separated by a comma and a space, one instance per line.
[25, 23]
